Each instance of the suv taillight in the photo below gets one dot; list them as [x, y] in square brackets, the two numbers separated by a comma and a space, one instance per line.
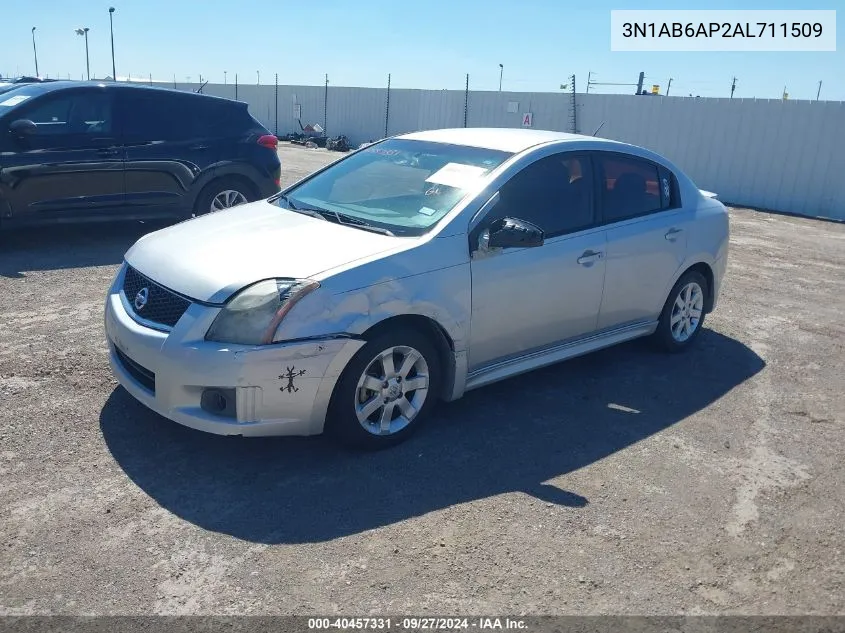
[269, 141]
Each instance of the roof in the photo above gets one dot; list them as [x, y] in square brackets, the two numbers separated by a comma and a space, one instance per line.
[49, 86]
[504, 139]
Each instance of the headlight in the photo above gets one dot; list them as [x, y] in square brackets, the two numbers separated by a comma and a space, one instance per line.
[252, 315]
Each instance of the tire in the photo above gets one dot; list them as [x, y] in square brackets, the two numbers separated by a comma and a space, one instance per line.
[245, 192]
[683, 314]
[352, 398]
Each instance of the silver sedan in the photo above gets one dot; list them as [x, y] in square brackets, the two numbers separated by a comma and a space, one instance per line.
[408, 272]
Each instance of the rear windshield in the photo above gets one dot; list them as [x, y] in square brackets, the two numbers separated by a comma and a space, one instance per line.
[403, 186]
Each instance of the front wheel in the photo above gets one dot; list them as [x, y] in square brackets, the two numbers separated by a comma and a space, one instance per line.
[386, 391]
[683, 314]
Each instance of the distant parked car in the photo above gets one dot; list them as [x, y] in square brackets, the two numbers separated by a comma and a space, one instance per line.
[411, 271]
[92, 151]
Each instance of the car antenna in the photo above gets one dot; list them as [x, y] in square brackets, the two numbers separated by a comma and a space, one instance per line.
[199, 90]
[599, 127]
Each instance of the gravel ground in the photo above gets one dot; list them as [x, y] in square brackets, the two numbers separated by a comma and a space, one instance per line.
[622, 482]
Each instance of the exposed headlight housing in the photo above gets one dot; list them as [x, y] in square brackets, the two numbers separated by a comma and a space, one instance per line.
[252, 316]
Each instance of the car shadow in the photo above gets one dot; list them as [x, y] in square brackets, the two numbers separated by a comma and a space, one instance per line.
[61, 246]
[511, 436]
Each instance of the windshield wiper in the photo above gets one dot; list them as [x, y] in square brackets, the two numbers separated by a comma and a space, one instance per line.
[336, 217]
[314, 213]
[342, 218]
[288, 202]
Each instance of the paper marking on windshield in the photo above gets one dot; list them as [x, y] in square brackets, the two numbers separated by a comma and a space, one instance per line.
[14, 101]
[457, 175]
[427, 211]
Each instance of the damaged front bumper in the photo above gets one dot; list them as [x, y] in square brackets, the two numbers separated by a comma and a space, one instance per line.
[280, 389]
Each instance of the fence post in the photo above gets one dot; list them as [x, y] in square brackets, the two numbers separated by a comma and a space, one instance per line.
[387, 107]
[466, 101]
[277, 104]
[326, 106]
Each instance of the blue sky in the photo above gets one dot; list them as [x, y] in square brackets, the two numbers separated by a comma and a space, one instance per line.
[423, 44]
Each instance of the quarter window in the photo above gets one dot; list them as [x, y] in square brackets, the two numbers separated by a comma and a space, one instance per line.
[631, 187]
[554, 193]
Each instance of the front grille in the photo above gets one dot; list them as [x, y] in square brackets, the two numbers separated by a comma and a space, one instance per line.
[162, 305]
[138, 372]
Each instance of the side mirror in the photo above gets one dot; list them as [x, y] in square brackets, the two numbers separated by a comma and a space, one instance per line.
[513, 233]
[23, 127]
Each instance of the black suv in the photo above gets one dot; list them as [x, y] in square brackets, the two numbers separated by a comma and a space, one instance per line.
[89, 151]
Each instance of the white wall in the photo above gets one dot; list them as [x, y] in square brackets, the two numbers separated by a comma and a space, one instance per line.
[772, 154]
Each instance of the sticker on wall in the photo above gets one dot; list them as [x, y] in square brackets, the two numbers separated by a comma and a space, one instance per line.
[527, 119]
[513, 107]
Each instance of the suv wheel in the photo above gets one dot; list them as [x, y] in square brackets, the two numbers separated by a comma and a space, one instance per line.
[223, 194]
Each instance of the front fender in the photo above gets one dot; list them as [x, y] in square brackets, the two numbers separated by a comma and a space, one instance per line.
[441, 295]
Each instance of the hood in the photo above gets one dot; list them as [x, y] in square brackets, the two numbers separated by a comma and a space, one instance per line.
[211, 257]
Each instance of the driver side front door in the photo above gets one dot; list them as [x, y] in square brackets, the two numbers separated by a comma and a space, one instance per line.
[71, 165]
[527, 299]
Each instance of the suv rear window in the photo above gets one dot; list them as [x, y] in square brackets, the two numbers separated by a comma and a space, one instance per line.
[164, 116]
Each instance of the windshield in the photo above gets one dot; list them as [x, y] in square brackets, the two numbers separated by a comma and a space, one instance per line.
[402, 186]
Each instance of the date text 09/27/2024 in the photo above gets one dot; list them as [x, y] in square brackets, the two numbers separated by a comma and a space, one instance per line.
[723, 29]
[417, 624]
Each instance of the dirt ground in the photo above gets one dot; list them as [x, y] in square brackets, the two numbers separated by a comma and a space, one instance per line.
[622, 482]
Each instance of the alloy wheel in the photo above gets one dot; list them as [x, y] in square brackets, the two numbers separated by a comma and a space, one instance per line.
[686, 312]
[392, 390]
[226, 200]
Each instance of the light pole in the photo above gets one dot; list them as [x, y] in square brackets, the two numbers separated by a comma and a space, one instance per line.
[84, 31]
[258, 75]
[35, 52]
[501, 72]
[224, 78]
[111, 28]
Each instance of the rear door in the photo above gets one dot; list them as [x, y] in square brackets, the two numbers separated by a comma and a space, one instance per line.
[71, 167]
[646, 236]
[166, 151]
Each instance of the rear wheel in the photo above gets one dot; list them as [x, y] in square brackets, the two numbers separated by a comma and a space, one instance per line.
[386, 391]
[223, 194]
[683, 314]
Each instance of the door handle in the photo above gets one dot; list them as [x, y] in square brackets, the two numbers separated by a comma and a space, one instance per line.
[672, 234]
[108, 151]
[588, 257]
[198, 147]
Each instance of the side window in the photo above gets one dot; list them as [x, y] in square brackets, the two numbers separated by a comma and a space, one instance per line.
[74, 113]
[629, 187]
[155, 117]
[554, 193]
